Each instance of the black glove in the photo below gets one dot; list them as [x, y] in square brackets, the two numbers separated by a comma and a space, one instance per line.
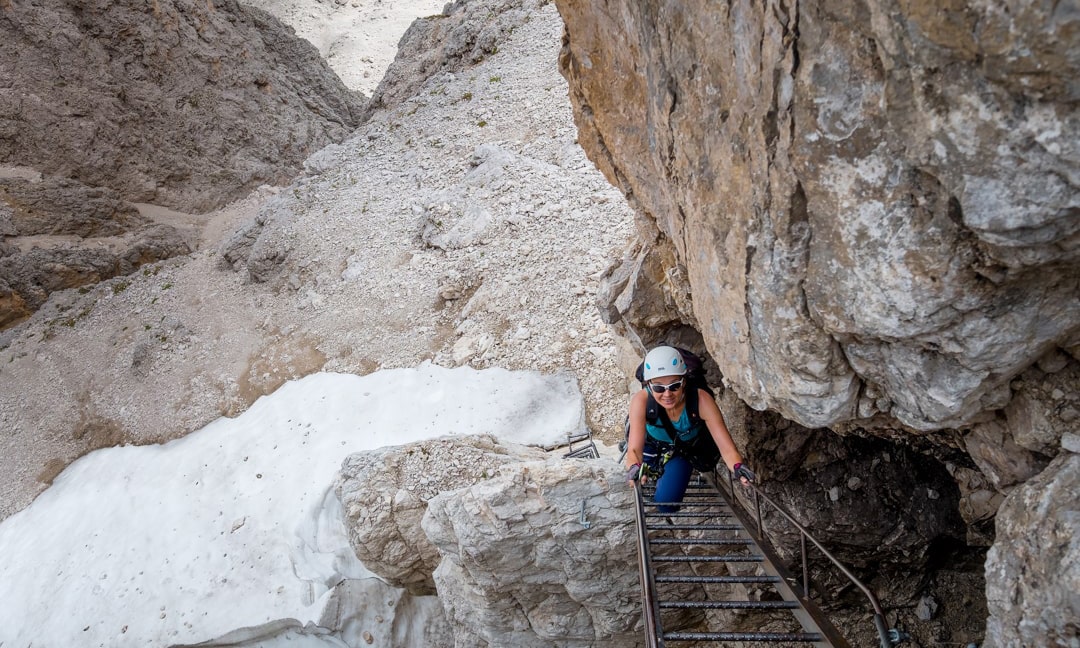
[633, 472]
[742, 470]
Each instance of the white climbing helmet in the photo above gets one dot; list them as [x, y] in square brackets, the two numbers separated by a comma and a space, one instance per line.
[663, 361]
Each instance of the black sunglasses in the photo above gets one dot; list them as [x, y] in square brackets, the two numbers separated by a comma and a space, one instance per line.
[660, 389]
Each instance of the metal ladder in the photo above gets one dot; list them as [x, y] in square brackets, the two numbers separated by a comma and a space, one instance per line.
[585, 451]
[702, 560]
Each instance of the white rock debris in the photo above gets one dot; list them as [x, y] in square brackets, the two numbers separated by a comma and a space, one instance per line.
[462, 226]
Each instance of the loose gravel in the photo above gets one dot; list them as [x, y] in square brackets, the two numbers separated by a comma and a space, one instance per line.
[464, 226]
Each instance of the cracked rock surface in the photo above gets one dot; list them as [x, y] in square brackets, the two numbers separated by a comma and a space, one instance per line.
[872, 204]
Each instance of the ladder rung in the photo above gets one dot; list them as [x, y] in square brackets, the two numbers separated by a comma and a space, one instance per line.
[729, 605]
[697, 559]
[697, 495]
[685, 504]
[701, 541]
[690, 514]
[717, 579]
[704, 495]
[742, 636]
[698, 527]
[587, 452]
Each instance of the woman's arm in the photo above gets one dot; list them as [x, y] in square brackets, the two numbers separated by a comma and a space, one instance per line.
[635, 443]
[710, 413]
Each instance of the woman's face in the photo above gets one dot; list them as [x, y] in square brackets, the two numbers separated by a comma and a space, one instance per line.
[673, 393]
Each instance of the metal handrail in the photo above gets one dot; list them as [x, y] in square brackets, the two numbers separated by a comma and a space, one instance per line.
[887, 636]
[650, 610]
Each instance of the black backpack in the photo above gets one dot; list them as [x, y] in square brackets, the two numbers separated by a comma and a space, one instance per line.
[701, 451]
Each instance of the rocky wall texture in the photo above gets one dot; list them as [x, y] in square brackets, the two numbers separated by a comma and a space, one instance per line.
[466, 32]
[386, 491]
[183, 103]
[58, 234]
[496, 530]
[867, 211]
[519, 568]
[1033, 575]
[872, 204]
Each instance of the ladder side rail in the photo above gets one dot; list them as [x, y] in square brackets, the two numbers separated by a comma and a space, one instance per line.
[810, 616]
[879, 614]
[650, 608]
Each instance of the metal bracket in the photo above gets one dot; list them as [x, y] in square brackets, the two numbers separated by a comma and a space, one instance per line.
[585, 523]
[898, 636]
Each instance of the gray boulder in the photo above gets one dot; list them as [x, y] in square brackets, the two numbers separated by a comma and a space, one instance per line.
[520, 568]
[1033, 569]
[386, 492]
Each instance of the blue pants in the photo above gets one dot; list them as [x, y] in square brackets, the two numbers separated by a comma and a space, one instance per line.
[672, 484]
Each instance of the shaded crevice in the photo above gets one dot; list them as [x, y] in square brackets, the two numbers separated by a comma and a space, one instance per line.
[799, 237]
[793, 29]
[748, 309]
[799, 214]
[795, 61]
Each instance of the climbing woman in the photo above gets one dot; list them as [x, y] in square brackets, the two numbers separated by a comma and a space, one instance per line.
[675, 427]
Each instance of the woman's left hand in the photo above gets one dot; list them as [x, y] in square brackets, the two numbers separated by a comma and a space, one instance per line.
[745, 475]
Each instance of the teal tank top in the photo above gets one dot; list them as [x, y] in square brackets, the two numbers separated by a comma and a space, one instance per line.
[682, 427]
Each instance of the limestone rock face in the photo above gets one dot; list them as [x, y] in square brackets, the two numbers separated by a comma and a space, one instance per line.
[520, 569]
[1033, 569]
[53, 206]
[648, 288]
[57, 234]
[868, 209]
[462, 35]
[181, 103]
[998, 456]
[872, 204]
[386, 492]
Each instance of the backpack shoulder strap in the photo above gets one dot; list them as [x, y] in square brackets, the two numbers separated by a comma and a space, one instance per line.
[692, 410]
[655, 415]
[652, 409]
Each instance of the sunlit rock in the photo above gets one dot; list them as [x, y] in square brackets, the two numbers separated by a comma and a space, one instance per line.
[542, 554]
[386, 492]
